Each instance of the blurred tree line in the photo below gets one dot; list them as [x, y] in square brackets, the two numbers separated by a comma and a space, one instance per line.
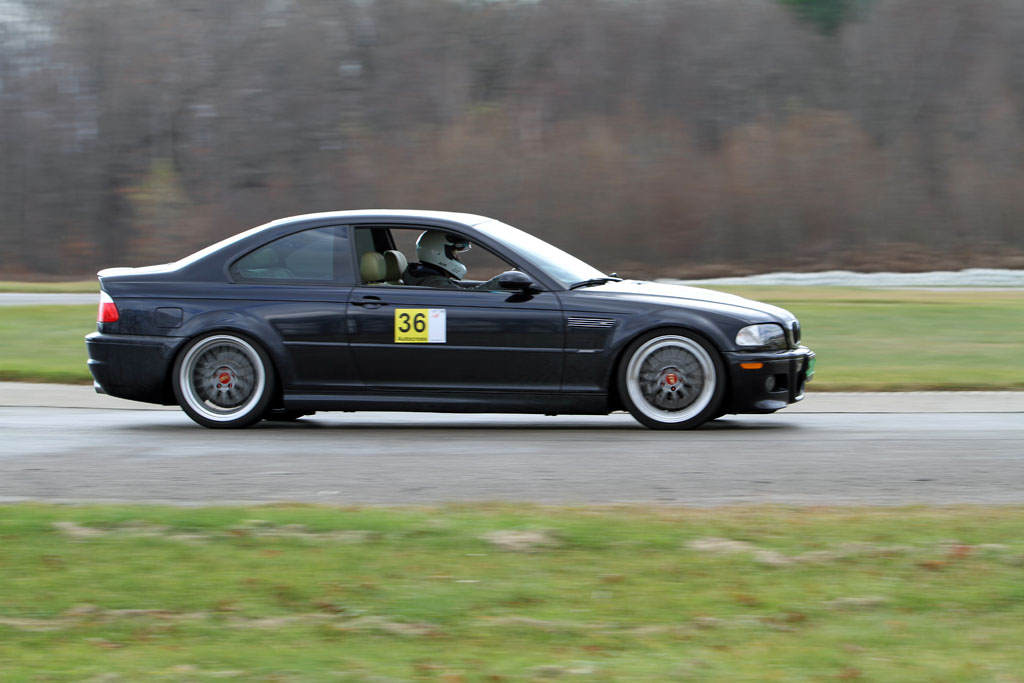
[672, 137]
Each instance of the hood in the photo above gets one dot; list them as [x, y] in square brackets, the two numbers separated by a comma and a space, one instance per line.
[657, 292]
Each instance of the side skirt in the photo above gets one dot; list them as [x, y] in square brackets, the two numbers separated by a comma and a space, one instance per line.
[452, 402]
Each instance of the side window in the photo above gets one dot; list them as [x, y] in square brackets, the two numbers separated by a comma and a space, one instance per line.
[319, 255]
[481, 264]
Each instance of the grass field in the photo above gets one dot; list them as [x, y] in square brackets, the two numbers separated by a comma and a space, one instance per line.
[870, 339]
[511, 593]
[77, 287]
[865, 339]
[45, 343]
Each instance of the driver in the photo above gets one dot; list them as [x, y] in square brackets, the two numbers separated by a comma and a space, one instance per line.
[439, 264]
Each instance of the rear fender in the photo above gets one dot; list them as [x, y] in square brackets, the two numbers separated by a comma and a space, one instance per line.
[254, 327]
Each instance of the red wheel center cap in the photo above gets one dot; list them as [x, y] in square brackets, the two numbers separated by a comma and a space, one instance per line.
[224, 378]
[671, 379]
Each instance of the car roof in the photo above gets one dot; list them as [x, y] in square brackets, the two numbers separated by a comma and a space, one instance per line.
[281, 226]
[326, 217]
[385, 214]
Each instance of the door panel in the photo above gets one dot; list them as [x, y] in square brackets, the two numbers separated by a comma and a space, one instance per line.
[494, 341]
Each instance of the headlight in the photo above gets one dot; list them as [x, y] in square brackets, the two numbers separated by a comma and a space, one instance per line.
[764, 336]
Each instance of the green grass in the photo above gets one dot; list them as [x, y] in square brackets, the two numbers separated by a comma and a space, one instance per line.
[883, 340]
[865, 339]
[77, 287]
[618, 594]
[45, 343]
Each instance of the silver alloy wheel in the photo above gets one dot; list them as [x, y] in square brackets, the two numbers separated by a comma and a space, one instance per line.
[222, 378]
[671, 379]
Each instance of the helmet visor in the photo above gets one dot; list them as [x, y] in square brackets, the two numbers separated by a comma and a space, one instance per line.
[456, 245]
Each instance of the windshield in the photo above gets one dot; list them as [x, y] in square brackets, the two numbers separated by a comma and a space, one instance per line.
[565, 268]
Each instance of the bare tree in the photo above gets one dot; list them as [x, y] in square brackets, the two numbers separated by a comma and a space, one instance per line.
[671, 136]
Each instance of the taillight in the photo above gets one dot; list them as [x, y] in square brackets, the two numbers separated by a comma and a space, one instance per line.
[108, 309]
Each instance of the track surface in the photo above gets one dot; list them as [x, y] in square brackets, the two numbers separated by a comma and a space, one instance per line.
[26, 299]
[840, 456]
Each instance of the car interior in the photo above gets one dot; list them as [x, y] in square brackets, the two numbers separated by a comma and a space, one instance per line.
[383, 256]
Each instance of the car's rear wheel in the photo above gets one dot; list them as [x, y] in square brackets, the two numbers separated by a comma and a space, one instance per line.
[672, 380]
[223, 381]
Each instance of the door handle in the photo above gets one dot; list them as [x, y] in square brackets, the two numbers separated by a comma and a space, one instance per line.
[370, 301]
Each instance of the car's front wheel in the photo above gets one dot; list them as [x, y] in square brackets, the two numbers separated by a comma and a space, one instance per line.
[223, 380]
[672, 380]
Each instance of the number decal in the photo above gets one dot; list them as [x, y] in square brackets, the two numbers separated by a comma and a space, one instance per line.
[421, 326]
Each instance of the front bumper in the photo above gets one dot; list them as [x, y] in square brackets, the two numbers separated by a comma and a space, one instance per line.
[766, 382]
[133, 367]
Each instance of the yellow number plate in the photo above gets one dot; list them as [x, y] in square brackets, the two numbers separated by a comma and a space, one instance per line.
[421, 326]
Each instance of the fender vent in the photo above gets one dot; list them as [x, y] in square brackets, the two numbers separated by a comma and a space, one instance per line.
[590, 323]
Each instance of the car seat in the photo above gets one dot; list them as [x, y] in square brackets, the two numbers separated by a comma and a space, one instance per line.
[371, 268]
[395, 264]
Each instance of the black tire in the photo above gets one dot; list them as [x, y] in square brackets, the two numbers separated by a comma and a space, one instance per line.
[223, 381]
[672, 379]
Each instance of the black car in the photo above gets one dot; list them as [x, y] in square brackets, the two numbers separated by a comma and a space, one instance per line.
[315, 313]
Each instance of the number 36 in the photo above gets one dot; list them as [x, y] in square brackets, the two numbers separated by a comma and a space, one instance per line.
[416, 322]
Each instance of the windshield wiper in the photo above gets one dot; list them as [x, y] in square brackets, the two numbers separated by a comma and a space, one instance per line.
[594, 281]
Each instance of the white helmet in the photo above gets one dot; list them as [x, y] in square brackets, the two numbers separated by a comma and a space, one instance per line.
[442, 249]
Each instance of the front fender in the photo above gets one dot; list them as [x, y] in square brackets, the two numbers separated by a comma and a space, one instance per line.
[667, 325]
[718, 329]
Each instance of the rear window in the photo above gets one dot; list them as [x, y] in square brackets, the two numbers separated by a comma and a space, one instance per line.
[318, 255]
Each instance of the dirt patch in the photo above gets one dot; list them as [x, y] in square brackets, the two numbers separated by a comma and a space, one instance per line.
[522, 541]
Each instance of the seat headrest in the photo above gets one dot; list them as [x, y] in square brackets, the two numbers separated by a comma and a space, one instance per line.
[395, 264]
[371, 266]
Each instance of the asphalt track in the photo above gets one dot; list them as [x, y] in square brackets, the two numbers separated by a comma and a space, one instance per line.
[43, 299]
[67, 444]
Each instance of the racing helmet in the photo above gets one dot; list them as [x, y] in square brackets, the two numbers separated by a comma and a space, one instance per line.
[442, 249]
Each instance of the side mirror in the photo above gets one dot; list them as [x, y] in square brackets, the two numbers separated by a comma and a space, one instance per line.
[515, 280]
